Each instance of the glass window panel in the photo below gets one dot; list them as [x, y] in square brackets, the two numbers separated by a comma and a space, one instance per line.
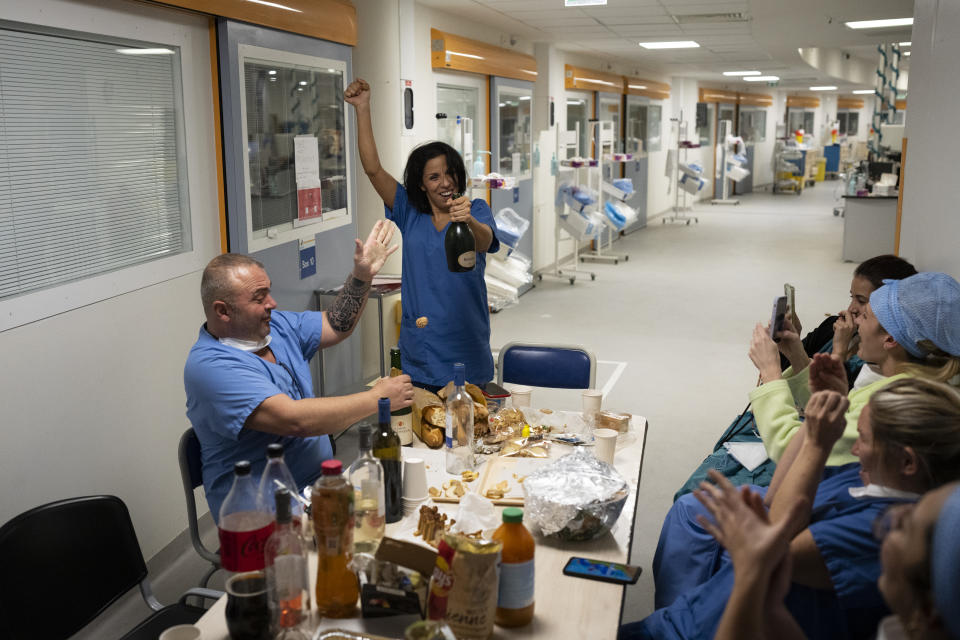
[753, 125]
[457, 101]
[577, 115]
[705, 116]
[610, 110]
[514, 116]
[653, 127]
[853, 123]
[92, 154]
[635, 133]
[284, 100]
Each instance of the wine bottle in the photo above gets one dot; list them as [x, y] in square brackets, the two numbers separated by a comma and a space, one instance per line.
[366, 476]
[461, 247]
[401, 420]
[386, 448]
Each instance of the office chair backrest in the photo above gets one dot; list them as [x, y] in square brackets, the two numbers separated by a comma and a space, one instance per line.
[547, 365]
[63, 564]
[191, 474]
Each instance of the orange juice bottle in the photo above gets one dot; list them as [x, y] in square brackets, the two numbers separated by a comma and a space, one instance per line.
[333, 522]
[515, 597]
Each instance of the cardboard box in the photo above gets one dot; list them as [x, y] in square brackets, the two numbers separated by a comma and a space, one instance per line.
[378, 601]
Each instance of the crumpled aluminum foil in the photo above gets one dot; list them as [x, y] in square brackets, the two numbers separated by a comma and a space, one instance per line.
[575, 498]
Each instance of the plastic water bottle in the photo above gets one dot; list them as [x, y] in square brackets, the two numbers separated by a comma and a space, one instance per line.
[459, 429]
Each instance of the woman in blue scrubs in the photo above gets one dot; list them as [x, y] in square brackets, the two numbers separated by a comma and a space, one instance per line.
[445, 314]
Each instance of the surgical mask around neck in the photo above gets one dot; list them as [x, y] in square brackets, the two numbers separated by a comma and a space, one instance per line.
[246, 345]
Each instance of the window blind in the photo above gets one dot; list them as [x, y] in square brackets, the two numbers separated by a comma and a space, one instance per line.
[92, 171]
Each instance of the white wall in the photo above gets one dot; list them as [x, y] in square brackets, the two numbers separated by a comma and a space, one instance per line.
[93, 398]
[930, 226]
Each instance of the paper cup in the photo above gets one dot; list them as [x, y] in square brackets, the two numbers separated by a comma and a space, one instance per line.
[605, 443]
[182, 632]
[414, 479]
[521, 396]
[592, 400]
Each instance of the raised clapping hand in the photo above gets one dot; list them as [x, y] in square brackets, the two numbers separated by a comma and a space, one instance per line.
[460, 209]
[357, 93]
[741, 524]
[825, 418]
[399, 389]
[764, 354]
[759, 550]
[369, 256]
[827, 374]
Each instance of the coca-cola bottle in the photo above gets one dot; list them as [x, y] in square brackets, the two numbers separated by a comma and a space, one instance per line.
[245, 524]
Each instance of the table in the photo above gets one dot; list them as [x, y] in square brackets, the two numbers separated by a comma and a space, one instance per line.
[566, 607]
[869, 227]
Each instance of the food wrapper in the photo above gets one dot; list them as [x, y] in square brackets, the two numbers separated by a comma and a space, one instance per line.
[463, 589]
[619, 422]
[531, 447]
[575, 498]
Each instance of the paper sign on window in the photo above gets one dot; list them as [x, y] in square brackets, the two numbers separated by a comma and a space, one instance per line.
[307, 164]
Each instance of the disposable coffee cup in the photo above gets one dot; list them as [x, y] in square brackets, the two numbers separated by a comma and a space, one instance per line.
[592, 400]
[605, 444]
[182, 632]
[520, 396]
[414, 479]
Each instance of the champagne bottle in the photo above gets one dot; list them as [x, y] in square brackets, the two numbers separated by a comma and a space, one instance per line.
[386, 448]
[401, 419]
[461, 247]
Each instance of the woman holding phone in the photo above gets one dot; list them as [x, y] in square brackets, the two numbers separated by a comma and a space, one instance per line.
[445, 314]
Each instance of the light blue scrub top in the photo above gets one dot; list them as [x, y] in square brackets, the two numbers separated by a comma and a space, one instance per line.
[455, 304]
[225, 384]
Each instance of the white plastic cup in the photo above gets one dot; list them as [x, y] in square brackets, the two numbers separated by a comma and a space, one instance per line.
[414, 479]
[605, 443]
[182, 632]
[592, 401]
[521, 396]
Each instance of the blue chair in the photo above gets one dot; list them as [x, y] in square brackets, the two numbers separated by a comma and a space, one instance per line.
[64, 563]
[547, 365]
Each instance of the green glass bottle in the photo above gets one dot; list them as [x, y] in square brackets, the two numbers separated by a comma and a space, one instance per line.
[401, 420]
[386, 448]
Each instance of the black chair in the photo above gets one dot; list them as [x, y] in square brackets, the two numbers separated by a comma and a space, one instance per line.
[547, 365]
[65, 562]
[191, 475]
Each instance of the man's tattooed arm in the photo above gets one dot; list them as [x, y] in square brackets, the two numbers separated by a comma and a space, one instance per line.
[346, 308]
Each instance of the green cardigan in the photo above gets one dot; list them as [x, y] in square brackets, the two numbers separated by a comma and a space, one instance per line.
[775, 411]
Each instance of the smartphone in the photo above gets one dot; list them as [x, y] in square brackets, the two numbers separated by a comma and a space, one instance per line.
[790, 292]
[601, 570]
[776, 319]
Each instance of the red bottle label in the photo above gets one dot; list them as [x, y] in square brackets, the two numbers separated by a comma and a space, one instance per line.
[243, 550]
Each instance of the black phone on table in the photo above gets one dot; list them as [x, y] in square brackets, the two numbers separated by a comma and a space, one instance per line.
[776, 318]
[601, 570]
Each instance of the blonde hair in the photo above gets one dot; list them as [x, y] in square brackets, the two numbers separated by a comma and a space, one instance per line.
[937, 365]
[925, 416]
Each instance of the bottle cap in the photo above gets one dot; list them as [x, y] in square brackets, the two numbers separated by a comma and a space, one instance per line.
[513, 514]
[331, 467]
[282, 499]
[242, 468]
[459, 374]
[275, 450]
[365, 431]
[383, 410]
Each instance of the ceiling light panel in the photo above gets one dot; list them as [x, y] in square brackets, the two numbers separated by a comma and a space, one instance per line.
[670, 44]
[762, 78]
[742, 73]
[880, 24]
[863, 92]
[824, 88]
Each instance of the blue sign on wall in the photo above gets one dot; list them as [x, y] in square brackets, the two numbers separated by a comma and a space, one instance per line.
[308, 258]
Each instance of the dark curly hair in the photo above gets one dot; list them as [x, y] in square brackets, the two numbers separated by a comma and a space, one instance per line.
[413, 173]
